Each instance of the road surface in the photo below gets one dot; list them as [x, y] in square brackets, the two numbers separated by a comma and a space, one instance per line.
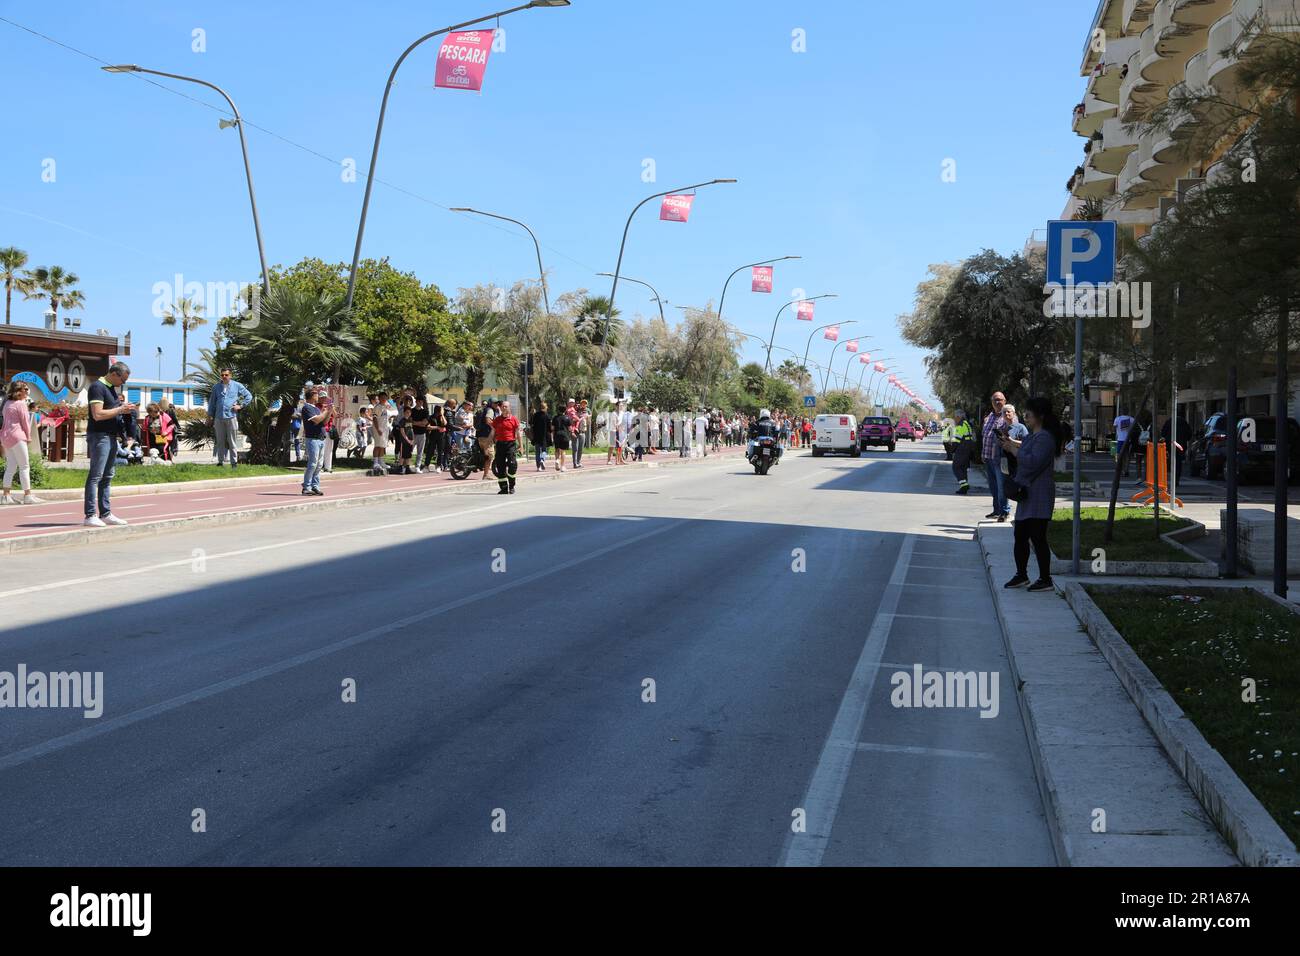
[502, 652]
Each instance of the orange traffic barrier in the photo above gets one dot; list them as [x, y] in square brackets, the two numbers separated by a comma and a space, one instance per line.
[1157, 477]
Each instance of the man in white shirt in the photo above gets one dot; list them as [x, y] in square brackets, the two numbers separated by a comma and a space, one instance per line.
[701, 432]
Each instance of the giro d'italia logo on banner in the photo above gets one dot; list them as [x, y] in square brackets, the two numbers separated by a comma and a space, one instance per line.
[462, 60]
[676, 208]
[804, 311]
[762, 279]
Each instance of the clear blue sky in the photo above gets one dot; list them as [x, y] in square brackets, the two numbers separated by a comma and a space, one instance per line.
[838, 150]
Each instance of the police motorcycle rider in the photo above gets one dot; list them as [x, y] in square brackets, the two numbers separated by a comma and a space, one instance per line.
[763, 427]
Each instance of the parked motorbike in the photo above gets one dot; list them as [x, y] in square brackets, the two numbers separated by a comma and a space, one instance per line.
[465, 461]
[764, 453]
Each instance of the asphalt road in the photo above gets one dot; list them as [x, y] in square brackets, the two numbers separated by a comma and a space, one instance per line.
[501, 649]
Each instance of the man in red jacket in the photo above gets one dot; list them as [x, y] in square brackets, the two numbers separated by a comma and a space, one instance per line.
[505, 430]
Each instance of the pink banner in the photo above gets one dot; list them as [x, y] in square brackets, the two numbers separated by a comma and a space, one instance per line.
[761, 281]
[462, 60]
[880, 366]
[833, 333]
[865, 359]
[804, 311]
[676, 208]
[853, 346]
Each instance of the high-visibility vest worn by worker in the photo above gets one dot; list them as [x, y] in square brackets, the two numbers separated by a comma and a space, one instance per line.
[947, 433]
[963, 432]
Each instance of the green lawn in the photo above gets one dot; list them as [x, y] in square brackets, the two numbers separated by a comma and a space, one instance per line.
[159, 474]
[1134, 540]
[1202, 652]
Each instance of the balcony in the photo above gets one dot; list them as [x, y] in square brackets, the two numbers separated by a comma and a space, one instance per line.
[1107, 77]
[1233, 35]
[1199, 14]
[1093, 184]
[1110, 153]
[1136, 14]
[1167, 46]
[1151, 167]
[1220, 173]
[1094, 112]
[1134, 92]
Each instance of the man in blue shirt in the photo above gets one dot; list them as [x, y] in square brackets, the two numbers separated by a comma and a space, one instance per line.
[313, 425]
[227, 398]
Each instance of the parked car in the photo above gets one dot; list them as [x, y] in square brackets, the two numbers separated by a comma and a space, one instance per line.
[877, 431]
[1208, 451]
[835, 434]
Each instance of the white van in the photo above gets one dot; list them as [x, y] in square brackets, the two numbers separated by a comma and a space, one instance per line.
[835, 434]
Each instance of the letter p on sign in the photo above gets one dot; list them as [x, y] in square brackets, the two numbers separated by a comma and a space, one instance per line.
[1084, 250]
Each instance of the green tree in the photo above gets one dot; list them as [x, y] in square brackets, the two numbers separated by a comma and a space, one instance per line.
[188, 314]
[11, 260]
[664, 391]
[838, 403]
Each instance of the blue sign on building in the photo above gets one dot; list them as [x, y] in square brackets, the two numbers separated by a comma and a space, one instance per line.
[1082, 250]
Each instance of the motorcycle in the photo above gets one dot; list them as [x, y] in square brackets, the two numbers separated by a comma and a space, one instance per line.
[764, 453]
[465, 461]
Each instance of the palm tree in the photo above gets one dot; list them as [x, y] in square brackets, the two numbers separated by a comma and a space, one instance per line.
[589, 327]
[189, 315]
[302, 336]
[491, 346]
[11, 260]
[56, 285]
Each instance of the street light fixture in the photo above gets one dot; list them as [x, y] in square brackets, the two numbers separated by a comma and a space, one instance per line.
[826, 295]
[238, 123]
[610, 275]
[541, 271]
[618, 267]
[383, 108]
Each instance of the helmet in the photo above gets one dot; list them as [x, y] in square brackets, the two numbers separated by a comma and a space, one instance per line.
[764, 413]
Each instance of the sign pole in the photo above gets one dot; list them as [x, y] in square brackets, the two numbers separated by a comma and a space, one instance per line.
[1078, 442]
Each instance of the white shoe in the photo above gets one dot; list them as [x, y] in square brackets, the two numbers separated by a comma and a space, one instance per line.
[93, 522]
[32, 500]
[114, 520]
[8, 500]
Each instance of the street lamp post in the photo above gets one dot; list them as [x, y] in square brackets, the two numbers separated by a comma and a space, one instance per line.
[765, 262]
[827, 295]
[821, 328]
[610, 275]
[383, 108]
[541, 270]
[243, 145]
[618, 267]
[830, 362]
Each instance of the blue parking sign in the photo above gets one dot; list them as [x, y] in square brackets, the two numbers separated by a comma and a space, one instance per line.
[1084, 250]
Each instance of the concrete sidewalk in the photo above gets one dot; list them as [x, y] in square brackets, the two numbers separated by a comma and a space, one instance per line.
[1092, 750]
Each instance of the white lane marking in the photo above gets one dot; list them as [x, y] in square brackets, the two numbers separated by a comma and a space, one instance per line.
[442, 516]
[929, 617]
[929, 482]
[924, 751]
[826, 789]
[217, 498]
[45, 747]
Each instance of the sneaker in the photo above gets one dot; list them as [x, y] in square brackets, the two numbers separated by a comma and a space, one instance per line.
[1019, 581]
[7, 500]
[93, 522]
[1002, 519]
[964, 489]
[992, 514]
[318, 492]
[1043, 585]
[114, 520]
[306, 491]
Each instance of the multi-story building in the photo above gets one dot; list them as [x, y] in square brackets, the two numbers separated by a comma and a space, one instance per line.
[1137, 55]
